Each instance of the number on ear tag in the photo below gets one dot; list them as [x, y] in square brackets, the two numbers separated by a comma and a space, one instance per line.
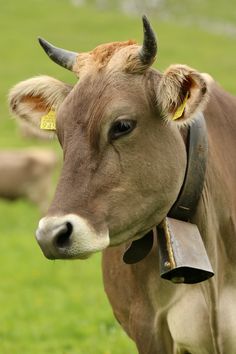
[48, 121]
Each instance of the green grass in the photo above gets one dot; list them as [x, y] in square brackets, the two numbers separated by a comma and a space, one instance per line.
[60, 307]
[50, 307]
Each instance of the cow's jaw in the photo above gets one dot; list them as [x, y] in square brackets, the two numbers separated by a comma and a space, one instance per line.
[69, 236]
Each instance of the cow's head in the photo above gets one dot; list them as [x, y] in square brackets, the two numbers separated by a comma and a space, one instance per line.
[119, 128]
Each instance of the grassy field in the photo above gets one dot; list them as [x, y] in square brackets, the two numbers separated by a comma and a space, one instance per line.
[60, 307]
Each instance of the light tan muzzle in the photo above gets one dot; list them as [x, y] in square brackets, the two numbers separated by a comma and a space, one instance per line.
[69, 236]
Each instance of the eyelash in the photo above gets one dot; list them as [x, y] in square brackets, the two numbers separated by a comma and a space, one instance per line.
[121, 127]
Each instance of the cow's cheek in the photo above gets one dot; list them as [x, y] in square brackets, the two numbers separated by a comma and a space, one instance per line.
[148, 186]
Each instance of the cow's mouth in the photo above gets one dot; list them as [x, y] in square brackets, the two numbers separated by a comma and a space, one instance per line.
[69, 237]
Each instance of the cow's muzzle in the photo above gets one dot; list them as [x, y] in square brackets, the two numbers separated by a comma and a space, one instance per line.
[69, 236]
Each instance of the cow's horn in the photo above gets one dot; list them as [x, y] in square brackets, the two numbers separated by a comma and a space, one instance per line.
[149, 49]
[60, 56]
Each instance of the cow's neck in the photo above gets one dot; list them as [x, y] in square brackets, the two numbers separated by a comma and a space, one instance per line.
[216, 211]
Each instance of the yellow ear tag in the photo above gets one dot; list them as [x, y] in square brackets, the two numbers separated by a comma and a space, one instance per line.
[181, 108]
[48, 121]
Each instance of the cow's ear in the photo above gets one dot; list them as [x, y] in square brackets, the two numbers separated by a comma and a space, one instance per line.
[182, 92]
[36, 101]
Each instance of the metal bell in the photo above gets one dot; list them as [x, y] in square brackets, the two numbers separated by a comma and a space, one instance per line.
[183, 257]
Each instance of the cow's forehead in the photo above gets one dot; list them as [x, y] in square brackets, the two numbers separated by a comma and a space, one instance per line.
[108, 89]
[115, 55]
[104, 96]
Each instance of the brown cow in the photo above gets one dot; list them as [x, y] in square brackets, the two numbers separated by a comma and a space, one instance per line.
[124, 165]
[27, 173]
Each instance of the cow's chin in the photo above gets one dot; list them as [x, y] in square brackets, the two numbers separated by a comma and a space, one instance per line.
[67, 255]
[137, 229]
[70, 237]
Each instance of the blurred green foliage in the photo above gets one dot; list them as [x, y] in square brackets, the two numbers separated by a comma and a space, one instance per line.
[60, 307]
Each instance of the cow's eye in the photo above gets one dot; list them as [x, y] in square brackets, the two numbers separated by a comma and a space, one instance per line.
[121, 127]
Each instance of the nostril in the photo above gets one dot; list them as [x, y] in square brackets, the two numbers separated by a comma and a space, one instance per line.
[63, 236]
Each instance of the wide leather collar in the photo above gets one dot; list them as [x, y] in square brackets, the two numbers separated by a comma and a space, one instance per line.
[197, 151]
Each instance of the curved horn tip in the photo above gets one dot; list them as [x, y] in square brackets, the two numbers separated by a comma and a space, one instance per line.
[145, 21]
[47, 47]
[149, 49]
[42, 41]
[60, 56]
[146, 25]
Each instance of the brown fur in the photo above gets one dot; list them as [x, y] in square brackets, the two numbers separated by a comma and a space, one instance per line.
[128, 185]
[36, 102]
[122, 56]
[161, 317]
[103, 53]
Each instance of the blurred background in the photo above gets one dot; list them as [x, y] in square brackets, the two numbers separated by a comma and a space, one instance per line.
[60, 307]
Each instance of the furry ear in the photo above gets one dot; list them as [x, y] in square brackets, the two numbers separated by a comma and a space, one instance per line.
[182, 92]
[36, 99]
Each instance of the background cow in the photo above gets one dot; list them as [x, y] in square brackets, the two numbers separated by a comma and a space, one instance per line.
[27, 173]
[124, 165]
